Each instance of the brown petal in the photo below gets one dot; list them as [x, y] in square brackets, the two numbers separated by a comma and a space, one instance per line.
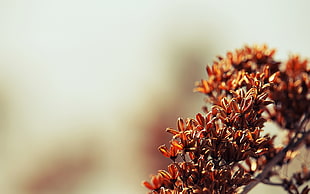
[234, 105]
[172, 131]
[248, 105]
[177, 144]
[164, 150]
[265, 87]
[266, 71]
[148, 185]
[180, 124]
[206, 86]
[262, 96]
[165, 174]
[200, 119]
[209, 71]
[273, 77]
[224, 103]
[267, 102]
[249, 135]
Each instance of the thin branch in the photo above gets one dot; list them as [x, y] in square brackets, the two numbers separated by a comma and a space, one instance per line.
[293, 145]
[266, 182]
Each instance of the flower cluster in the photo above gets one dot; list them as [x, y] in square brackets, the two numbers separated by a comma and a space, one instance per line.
[224, 149]
[291, 94]
[228, 74]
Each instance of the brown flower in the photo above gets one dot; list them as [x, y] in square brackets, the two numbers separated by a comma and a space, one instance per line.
[224, 149]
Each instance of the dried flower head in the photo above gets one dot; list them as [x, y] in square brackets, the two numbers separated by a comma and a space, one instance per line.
[224, 149]
[291, 94]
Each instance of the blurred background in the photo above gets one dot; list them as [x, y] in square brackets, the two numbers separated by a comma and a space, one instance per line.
[87, 88]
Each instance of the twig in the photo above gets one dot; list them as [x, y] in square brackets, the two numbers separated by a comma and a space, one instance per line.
[293, 145]
[271, 183]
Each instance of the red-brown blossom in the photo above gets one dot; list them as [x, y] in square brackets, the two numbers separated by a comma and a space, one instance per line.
[224, 149]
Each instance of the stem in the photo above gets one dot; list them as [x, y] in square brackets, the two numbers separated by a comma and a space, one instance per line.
[293, 145]
[271, 183]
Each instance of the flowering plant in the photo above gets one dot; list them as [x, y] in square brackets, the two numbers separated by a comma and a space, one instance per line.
[225, 149]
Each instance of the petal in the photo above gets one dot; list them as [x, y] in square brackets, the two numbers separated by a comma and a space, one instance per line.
[165, 174]
[209, 71]
[200, 119]
[164, 150]
[273, 77]
[148, 185]
[177, 145]
[234, 105]
[172, 131]
[180, 124]
[248, 105]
